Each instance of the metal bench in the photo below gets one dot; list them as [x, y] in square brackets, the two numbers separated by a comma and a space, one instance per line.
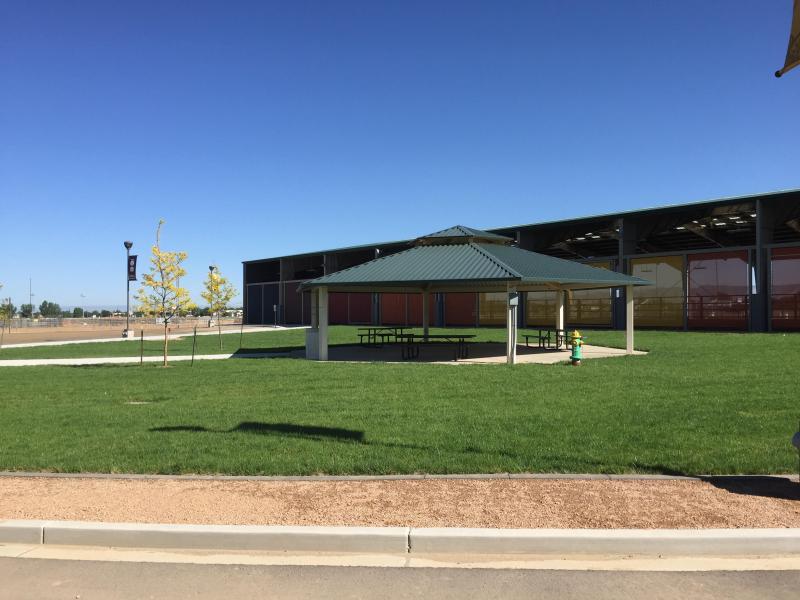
[548, 339]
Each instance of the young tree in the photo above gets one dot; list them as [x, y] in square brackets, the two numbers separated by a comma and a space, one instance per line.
[161, 294]
[7, 311]
[218, 293]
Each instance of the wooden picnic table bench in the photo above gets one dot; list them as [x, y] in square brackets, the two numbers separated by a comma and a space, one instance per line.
[384, 334]
[413, 341]
[548, 339]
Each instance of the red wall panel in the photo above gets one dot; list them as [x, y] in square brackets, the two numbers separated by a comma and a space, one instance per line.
[460, 309]
[393, 309]
[415, 309]
[786, 288]
[360, 311]
[337, 308]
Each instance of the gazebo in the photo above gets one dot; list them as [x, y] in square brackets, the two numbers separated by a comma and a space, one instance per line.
[462, 259]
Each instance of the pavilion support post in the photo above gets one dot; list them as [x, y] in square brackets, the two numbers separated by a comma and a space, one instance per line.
[323, 323]
[560, 309]
[426, 313]
[312, 334]
[629, 319]
[314, 309]
[511, 326]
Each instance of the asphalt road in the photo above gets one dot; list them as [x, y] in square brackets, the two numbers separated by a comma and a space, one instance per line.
[42, 579]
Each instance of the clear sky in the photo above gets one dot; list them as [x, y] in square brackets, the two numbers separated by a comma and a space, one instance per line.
[258, 129]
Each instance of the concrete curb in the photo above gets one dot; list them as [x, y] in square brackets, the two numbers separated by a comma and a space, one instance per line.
[654, 542]
[384, 540]
[405, 540]
[410, 477]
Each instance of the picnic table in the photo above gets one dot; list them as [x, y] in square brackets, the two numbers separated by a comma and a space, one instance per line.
[548, 339]
[384, 334]
[413, 341]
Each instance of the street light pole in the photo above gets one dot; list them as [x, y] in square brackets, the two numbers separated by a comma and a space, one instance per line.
[211, 279]
[128, 246]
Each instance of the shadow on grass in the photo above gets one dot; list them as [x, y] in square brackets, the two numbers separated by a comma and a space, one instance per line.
[767, 486]
[306, 431]
[271, 350]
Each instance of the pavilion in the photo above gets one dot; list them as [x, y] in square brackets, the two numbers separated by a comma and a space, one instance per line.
[462, 259]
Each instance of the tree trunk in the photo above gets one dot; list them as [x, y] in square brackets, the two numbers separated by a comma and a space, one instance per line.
[219, 327]
[166, 342]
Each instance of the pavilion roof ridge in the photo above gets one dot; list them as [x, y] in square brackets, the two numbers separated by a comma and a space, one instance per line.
[497, 261]
[461, 234]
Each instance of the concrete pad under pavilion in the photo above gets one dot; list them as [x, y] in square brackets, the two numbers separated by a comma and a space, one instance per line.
[479, 353]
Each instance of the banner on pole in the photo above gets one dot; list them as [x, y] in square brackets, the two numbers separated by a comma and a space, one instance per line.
[793, 51]
[132, 267]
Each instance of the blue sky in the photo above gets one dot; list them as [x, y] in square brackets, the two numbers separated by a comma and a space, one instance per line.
[257, 129]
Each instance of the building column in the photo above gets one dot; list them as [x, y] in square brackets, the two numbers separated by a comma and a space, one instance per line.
[560, 309]
[323, 323]
[627, 236]
[426, 318]
[760, 318]
[629, 319]
[511, 325]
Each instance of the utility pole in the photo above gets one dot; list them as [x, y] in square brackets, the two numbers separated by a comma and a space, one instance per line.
[30, 296]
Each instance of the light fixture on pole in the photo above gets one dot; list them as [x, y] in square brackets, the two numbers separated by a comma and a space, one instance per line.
[128, 246]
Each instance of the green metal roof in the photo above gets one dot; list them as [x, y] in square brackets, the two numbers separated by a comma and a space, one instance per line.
[470, 263]
[460, 235]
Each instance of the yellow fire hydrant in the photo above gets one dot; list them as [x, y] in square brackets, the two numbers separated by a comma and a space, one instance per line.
[577, 342]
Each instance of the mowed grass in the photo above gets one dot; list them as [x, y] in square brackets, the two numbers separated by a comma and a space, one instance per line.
[261, 341]
[698, 403]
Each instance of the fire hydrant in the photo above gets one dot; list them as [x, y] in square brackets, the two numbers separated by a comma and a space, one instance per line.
[577, 342]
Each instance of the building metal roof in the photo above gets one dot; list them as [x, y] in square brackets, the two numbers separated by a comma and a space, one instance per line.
[655, 209]
[766, 196]
[488, 262]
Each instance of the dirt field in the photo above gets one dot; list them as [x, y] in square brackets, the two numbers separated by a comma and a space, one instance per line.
[770, 502]
[90, 331]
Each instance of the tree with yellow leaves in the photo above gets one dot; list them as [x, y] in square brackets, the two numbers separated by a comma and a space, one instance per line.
[218, 293]
[161, 294]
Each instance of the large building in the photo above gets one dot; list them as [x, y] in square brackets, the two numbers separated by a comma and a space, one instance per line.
[725, 264]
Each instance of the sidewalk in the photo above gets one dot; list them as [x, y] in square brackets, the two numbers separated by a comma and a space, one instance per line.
[128, 360]
[152, 337]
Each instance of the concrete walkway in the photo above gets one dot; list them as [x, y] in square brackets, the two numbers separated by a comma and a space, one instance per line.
[127, 360]
[173, 336]
[479, 353]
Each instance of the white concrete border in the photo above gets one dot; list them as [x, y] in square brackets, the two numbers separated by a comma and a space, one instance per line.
[415, 541]
[652, 542]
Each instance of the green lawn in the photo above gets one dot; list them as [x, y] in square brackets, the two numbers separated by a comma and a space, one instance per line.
[698, 403]
[264, 341]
